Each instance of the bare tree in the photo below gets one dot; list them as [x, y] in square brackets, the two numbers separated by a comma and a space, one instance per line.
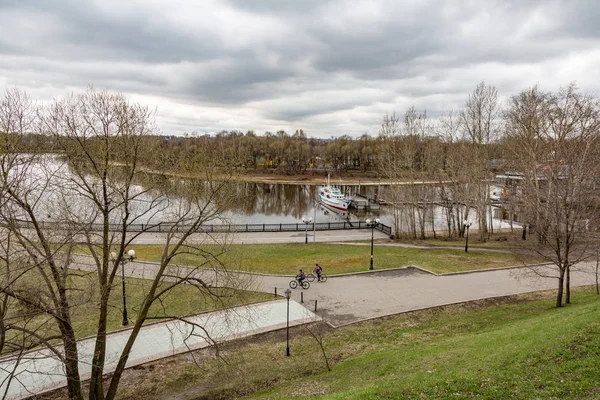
[318, 332]
[555, 139]
[478, 118]
[391, 164]
[91, 196]
[455, 175]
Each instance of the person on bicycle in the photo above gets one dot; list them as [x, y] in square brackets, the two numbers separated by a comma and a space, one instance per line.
[300, 277]
[318, 270]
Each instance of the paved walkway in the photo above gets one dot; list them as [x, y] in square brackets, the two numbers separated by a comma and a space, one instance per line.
[350, 298]
[271, 237]
[346, 299]
[40, 371]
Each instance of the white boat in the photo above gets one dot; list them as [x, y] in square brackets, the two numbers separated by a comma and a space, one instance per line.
[333, 197]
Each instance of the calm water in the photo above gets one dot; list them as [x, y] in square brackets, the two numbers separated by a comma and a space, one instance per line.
[260, 203]
[264, 203]
[287, 203]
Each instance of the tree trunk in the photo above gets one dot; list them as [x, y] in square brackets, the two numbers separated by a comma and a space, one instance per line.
[71, 362]
[597, 267]
[422, 214]
[559, 293]
[568, 285]
[96, 391]
[432, 210]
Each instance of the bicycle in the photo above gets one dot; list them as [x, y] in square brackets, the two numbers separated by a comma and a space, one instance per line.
[294, 284]
[312, 277]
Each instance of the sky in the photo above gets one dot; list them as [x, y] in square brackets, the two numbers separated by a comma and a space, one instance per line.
[331, 68]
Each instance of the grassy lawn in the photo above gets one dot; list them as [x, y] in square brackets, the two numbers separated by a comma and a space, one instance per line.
[523, 349]
[492, 244]
[499, 240]
[286, 259]
[180, 301]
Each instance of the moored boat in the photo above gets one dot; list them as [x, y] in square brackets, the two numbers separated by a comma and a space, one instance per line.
[333, 197]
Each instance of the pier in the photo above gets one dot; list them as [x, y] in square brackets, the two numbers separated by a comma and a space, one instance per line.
[363, 203]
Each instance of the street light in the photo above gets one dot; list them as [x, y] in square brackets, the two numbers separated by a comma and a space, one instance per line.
[123, 261]
[467, 225]
[288, 294]
[306, 222]
[372, 224]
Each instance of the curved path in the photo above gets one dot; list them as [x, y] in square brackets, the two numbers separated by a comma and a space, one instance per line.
[350, 298]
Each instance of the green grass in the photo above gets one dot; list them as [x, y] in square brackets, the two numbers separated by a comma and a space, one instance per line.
[473, 244]
[286, 259]
[499, 240]
[490, 350]
[83, 296]
[180, 301]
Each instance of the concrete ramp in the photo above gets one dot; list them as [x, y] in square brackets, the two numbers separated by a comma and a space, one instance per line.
[40, 371]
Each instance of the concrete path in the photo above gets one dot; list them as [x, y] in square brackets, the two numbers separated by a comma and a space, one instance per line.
[346, 299]
[354, 297]
[271, 237]
[40, 371]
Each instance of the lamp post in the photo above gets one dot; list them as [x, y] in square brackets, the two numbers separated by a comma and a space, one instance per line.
[467, 225]
[306, 222]
[123, 261]
[372, 224]
[288, 294]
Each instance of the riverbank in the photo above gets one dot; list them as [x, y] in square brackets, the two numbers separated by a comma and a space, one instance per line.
[311, 177]
[318, 177]
[266, 176]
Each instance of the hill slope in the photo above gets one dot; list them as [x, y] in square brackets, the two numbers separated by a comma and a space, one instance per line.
[526, 350]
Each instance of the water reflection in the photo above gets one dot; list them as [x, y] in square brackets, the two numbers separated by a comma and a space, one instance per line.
[268, 203]
[263, 203]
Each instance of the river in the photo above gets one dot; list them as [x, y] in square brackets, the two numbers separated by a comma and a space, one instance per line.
[245, 202]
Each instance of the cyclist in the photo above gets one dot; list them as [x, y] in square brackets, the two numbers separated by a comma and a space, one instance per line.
[318, 270]
[300, 277]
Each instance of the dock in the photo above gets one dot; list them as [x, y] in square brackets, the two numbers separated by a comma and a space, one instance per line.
[362, 203]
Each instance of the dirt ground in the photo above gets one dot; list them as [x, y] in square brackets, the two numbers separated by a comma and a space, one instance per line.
[315, 178]
[318, 177]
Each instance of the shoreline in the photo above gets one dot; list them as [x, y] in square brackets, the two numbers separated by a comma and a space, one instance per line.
[313, 179]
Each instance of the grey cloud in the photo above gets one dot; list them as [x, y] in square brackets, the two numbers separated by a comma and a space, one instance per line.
[277, 6]
[296, 55]
[88, 33]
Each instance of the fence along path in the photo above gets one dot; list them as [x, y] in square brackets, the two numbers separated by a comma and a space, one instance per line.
[168, 227]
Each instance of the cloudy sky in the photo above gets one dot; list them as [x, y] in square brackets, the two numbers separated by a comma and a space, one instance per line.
[328, 67]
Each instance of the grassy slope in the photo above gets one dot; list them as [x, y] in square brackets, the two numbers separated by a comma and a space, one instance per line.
[519, 351]
[489, 349]
[341, 258]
